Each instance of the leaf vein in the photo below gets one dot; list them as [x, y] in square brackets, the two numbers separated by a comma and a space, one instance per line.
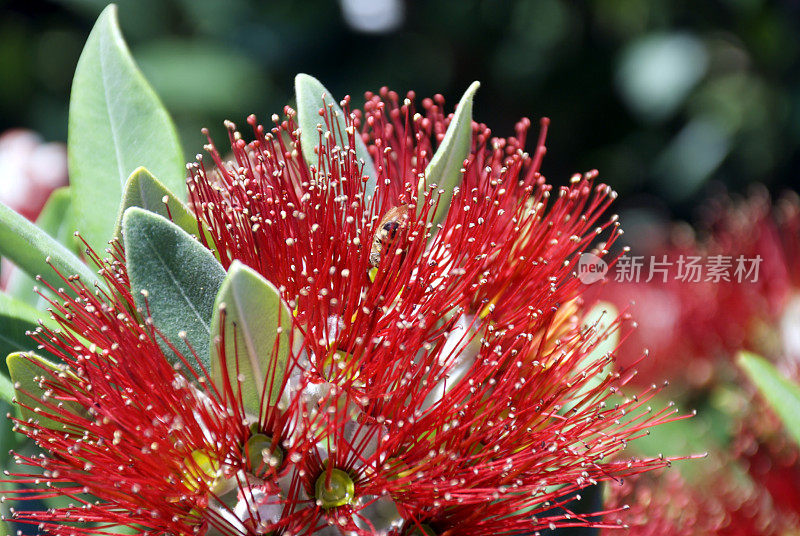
[111, 120]
[177, 284]
[251, 349]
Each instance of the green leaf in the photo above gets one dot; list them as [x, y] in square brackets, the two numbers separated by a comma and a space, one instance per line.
[252, 306]
[17, 317]
[120, 529]
[9, 439]
[145, 191]
[29, 247]
[6, 389]
[180, 277]
[30, 374]
[782, 394]
[116, 124]
[598, 319]
[310, 94]
[444, 169]
[56, 220]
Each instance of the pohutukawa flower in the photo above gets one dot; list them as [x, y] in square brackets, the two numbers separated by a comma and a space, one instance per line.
[430, 366]
[723, 505]
[694, 324]
[696, 328]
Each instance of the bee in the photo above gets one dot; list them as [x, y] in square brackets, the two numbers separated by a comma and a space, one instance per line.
[387, 231]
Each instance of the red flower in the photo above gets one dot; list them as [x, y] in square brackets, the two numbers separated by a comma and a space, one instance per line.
[31, 170]
[723, 506]
[695, 329]
[692, 326]
[439, 375]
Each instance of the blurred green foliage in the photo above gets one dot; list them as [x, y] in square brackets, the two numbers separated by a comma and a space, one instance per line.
[662, 96]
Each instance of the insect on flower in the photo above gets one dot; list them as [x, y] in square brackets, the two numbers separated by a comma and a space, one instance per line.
[386, 238]
[387, 229]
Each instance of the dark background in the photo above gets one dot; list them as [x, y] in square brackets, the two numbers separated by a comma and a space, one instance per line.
[666, 98]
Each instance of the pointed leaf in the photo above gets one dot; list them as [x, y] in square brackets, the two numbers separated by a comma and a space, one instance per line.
[116, 124]
[16, 318]
[56, 220]
[147, 192]
[180, 276]
[29, 247]
[310, 94]
[252, 307]
[781, 393]
[444, 169]
[31, 374]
